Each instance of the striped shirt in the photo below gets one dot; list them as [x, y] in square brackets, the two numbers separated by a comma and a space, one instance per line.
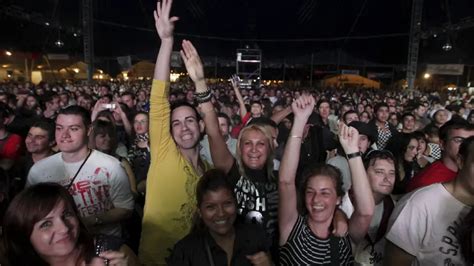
[303, 247]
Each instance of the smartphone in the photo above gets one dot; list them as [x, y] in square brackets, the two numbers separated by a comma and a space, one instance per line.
[110, 106]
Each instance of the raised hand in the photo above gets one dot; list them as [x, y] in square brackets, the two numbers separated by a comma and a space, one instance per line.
[193, 64]
[303, 107]
[349, 138]
[234, 80]
[163, 23]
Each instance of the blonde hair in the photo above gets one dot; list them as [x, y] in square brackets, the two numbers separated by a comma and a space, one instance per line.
[269, 141]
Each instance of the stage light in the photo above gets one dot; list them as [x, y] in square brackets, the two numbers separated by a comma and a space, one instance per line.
[8, 53]
[427, 76]
[59, 43]
[447, 46]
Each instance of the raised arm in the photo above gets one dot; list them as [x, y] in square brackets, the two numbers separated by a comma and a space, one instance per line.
[364, 201]
[159, 129]
[280, 115]
[165, 27]
[287, 208]
[221, 156]
[235, 85]
[126, 123]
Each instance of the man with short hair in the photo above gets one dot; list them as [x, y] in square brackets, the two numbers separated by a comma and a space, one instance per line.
[51, 104]
[350, 116]
[256, 109]
[40, 141]
[424, 228]
[380, 124]
[128, 98]
[225, 128]
[391, 102]
[420, 115]
[64, 99]
[380, 166]
[97, 181]
[86, 101]
[104, 90]
[408, 123]
[39, 145]
[451, 134]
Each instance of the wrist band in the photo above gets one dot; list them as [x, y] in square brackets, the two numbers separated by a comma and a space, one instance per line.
[202, 97]
[353, 155]
[296, 137]
[202, 94]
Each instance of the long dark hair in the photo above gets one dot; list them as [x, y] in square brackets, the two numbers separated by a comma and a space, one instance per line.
[29, 207]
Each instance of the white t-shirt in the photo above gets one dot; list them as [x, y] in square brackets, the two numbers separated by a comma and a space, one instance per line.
[364, 253]
[205, 150]
[343, 165]
[101, 185]
[425, 224]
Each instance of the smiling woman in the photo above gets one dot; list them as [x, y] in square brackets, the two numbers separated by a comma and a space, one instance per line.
[42, 227]
[216, 238]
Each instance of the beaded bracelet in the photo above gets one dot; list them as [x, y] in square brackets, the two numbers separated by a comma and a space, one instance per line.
[203, 99]
[203, 94]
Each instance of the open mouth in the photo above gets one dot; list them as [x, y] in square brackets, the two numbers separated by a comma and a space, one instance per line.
[186, 137]
[317, 207]
[221, 222]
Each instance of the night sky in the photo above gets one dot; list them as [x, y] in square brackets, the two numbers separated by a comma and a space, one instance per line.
[247, 19]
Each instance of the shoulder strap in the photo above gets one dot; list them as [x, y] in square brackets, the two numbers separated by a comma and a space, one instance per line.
[78, 170]
[388, 207]
[334, 245]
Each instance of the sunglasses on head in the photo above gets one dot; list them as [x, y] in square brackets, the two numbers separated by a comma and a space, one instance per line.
[379, 153]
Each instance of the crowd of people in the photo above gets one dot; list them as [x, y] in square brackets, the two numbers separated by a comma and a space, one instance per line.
[194, 173]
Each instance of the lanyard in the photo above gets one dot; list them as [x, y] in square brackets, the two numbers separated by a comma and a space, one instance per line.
[78, 170]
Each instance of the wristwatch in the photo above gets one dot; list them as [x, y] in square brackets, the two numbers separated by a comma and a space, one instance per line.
[353, 155]
[98, 221]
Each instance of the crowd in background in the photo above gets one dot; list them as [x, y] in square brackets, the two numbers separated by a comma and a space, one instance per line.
[220, 174]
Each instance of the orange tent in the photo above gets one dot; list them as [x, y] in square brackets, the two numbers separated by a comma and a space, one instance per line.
[350, 80]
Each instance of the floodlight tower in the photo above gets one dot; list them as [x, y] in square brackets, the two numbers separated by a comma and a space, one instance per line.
[248, 67]
[414, 42]
[88, 37]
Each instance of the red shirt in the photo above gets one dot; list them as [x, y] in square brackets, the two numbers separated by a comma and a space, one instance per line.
[435, 173]
[11, 147]
[236, 129]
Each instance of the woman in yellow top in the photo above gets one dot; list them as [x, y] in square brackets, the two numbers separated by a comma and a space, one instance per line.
[175, 132]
